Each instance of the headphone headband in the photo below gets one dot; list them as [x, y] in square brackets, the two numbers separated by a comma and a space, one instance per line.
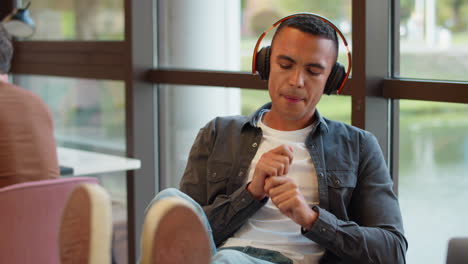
[326, 20]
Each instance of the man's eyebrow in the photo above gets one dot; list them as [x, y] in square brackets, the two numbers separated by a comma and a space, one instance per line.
[315, 65]
[284, 57]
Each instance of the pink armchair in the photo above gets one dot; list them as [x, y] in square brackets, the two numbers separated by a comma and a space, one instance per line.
[30, 219]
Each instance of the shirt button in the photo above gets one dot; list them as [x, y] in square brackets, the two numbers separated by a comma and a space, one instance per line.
[241, 174]
[323, 230]
[213, 175]
[320, 174]
[337, 181]
[254, 145]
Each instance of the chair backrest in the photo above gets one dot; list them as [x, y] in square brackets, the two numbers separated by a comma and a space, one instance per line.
[457, 252]
[30, 219]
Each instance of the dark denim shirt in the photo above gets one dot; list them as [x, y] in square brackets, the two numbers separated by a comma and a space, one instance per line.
[359, 216]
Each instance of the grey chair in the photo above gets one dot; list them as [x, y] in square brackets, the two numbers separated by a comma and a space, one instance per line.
[457, 252]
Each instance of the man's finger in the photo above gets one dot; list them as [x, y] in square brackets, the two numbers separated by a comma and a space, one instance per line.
[284, 150]
[283, 160]
[274, 182]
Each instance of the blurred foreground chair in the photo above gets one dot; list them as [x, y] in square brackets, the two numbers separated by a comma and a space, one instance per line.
[457, 252]
[30, 219]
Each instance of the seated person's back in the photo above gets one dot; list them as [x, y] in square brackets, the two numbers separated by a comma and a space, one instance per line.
[27, 145]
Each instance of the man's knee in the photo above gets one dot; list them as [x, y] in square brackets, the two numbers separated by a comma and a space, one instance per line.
[169, 192]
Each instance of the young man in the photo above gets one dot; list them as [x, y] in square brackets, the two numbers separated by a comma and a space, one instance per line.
[27, 144]
[284, 185]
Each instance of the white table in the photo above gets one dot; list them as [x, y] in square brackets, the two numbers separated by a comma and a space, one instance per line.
[87, 162]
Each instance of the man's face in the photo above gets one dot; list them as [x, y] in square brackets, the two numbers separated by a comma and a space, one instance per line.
[300, 65]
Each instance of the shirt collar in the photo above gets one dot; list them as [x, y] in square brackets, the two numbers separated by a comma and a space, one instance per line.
[252, 119]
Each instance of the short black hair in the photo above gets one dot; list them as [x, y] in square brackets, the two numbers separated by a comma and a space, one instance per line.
[312, 25]
[6, 50]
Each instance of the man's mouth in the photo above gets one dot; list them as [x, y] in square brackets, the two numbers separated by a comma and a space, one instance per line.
[292, 99]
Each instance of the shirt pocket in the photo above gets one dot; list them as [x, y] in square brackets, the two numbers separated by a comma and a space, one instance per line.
[341, 185]
[218, 171]
[218, 174]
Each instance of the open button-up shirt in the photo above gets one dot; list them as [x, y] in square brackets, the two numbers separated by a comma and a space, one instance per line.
[359, 216]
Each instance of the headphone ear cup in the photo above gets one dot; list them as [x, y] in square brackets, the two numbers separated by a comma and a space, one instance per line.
[263, 62]
[335, 79]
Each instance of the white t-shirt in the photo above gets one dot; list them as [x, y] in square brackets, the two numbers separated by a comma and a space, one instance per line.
[268, 228]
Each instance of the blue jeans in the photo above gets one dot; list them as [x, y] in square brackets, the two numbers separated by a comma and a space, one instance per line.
[236, 255]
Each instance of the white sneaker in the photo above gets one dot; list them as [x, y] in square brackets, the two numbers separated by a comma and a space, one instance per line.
[86, 228]
[174, 234]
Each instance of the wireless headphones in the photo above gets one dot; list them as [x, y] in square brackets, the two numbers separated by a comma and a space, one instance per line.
[338, 75]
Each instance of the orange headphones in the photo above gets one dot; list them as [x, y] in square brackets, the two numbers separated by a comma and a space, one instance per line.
[338, 75]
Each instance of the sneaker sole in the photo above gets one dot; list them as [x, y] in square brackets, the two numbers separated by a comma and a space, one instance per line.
[86, 229]
[174, 234]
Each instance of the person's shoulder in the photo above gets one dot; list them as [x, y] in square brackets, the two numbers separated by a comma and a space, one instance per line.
[18, 99]
[228, 121]
[11, 90]
[338, 127]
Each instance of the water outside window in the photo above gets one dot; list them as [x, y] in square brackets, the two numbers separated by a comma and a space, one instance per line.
[433, 177]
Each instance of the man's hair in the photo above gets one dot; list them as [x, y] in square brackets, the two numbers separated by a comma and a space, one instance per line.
[6, 51]
[312, 25]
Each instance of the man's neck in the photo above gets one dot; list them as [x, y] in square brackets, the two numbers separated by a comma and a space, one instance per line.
[285, 125]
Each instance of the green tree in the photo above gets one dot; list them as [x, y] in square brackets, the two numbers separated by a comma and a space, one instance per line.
[450, 13]
[406, 7]
[458, 23]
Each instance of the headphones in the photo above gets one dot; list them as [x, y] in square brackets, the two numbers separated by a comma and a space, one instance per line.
[338, 75]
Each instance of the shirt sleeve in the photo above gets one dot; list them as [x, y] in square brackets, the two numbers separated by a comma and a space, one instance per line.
[226, 212]
[374, 233]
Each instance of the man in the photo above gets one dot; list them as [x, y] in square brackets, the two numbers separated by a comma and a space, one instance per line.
[27, 145]
[284, 185]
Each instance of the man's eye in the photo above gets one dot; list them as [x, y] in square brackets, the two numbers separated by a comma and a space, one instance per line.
[285, 66]
[314, 73]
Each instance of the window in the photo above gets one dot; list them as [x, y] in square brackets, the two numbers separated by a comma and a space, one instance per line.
[88, 114]
[433, 39]
[432, 182]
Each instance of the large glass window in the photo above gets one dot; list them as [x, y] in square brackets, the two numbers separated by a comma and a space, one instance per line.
[88, 114]
[432, 183]
[433, 39]
[183, 111]
[78, 19]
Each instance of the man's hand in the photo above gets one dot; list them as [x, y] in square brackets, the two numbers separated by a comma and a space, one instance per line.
[273, 163]
[285, 194]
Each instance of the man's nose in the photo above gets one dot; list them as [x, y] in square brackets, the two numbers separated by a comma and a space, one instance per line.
[297, 79]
